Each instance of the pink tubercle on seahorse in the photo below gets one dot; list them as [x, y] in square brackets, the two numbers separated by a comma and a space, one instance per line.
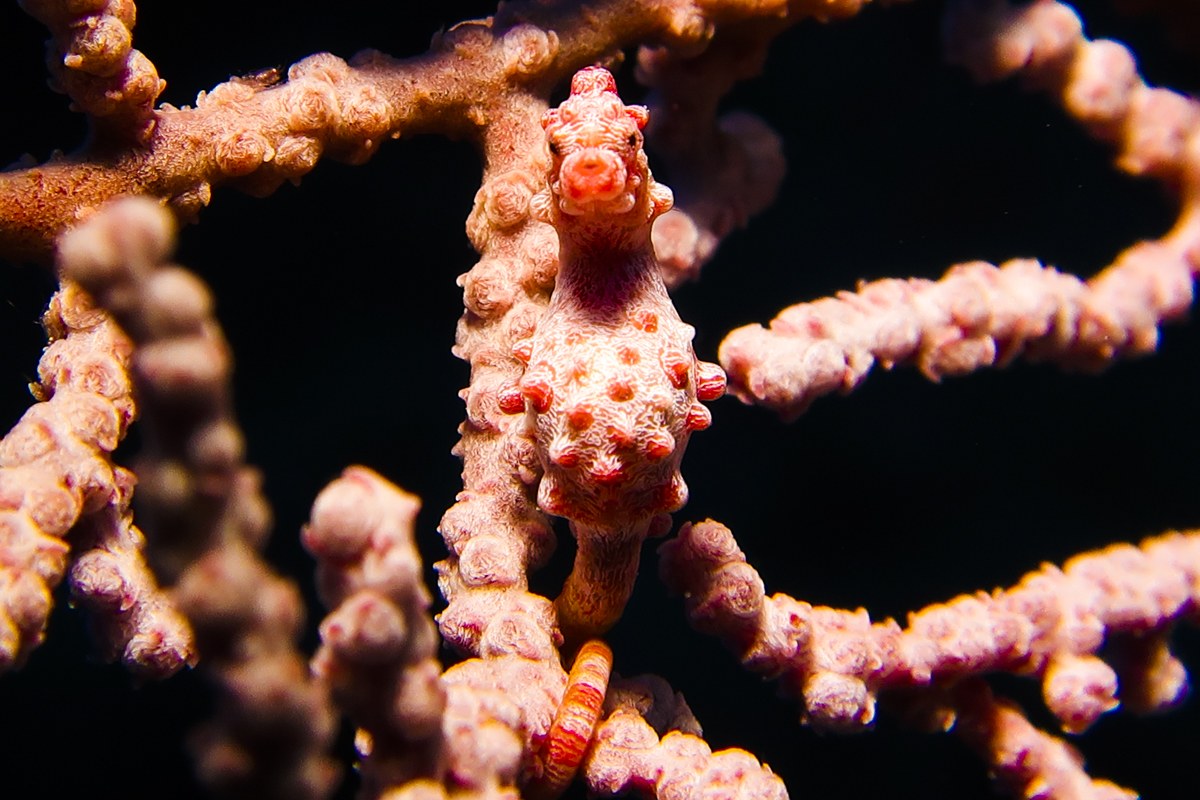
[612, 387]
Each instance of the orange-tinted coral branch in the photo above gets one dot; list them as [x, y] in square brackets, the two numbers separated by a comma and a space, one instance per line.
[256, 133]
[93, 61]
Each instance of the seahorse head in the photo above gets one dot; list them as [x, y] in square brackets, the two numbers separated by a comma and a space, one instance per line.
[598, 164]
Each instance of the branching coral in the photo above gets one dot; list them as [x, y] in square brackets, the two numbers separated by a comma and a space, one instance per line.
[862, 509]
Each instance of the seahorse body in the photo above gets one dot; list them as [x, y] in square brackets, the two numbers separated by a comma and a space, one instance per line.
[612, 387]
[612, 381]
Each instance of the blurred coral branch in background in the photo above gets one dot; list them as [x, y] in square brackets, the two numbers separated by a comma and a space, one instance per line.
[582, 396]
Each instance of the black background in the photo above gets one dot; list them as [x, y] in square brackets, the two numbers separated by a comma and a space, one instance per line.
[339, 300]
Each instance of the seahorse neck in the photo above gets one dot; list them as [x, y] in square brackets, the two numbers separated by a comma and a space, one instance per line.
[606, 275]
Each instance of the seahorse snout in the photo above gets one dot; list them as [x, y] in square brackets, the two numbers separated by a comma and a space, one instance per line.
[592, 175]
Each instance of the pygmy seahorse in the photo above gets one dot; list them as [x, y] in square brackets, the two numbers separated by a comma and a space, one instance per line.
[612, 385]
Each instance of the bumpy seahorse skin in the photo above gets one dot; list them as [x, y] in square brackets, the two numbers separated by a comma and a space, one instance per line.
[612, 387]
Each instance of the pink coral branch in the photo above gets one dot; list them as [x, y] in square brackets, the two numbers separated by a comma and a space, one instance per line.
[629, 756]
[1030, 763]
[59, 482]
[979, 315]
[379, 648]
[650, 745]
[275, 722]
[1050, 624]
[93, 61]
[723, 168]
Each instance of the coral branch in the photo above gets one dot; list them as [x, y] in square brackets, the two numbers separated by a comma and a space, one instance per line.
[1031, 763]
[1050, 624]
[136, 621]
[92, 60]
[204, 505]
[629, 756]
[196, 492]
[57, 479]
[722, 169]
[494, 533]
[379, 648]
[978, 315]
[257, 133]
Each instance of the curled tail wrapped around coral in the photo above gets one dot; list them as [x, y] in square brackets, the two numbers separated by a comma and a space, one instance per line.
[612, 389]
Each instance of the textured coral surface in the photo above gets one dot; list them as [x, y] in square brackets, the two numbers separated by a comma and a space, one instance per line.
[339, 302]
